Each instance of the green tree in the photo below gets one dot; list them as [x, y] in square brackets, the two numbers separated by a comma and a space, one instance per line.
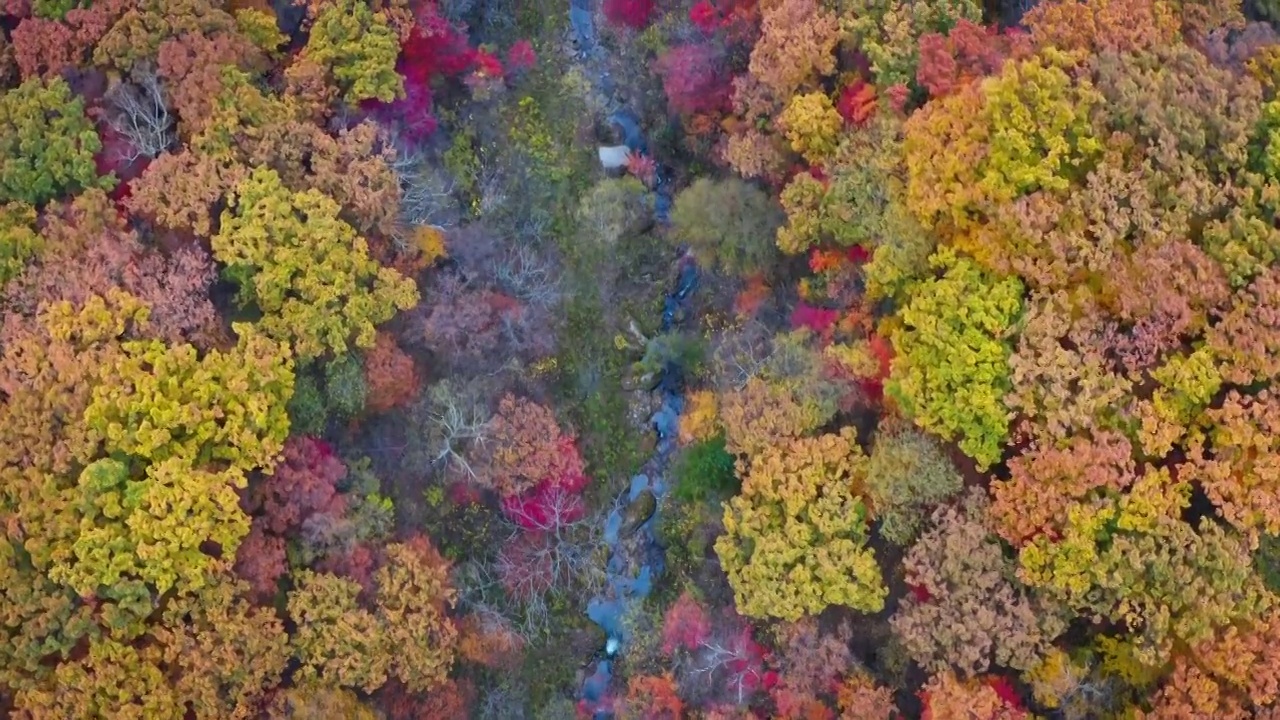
[729, 223]
[19, 241]
[908, 472]
[47, 143]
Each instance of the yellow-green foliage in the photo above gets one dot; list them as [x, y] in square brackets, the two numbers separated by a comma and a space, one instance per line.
[337, 641]
[951, 370]
[1136, 562]
[1023, 130]
[260, 28]
[812, 126]
[359, 48]
[47, 143]
[158, 402]
[1187, 384]
[888, 31]
[151, 529]
[19, 241]
[1040, 134]
[795, 537]
[308, 271]
[730, 223]
[857, 203]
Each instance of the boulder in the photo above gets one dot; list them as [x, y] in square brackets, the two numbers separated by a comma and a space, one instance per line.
[638, 511]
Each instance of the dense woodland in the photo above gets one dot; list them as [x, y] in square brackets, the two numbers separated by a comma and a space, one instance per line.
[328, 353]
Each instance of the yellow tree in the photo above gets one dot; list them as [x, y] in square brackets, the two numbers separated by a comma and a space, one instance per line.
[795, 537]
[307, 270]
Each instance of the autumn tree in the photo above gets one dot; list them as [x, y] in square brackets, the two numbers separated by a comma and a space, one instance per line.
[524, 446]
[19, 241]
[889, 32]
[89, 249]
[337, 642]
[964, 611]
[46, 143]
[947, 696]
[414, 593]
[191, 65]
[271, 237]
[693, 78]
[907, 473]
[651, 697]
[796, 47]
[390, 375]
[358, 48]
[137, 30]
[950, 372]
[795, 536]
[1172, 581]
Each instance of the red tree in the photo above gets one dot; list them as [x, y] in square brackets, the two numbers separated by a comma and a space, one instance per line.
[390, 376]
[628, 13]
[685, 625]
[304, 484]
[693, 79]
[260, 560]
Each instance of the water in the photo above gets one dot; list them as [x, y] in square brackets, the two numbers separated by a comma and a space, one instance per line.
[636, 559]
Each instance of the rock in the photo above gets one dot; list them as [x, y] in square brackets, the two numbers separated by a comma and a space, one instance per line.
[666, 422]
[612, 158]
[638, 511]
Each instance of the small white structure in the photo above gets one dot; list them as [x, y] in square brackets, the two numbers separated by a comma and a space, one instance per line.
[612, 158]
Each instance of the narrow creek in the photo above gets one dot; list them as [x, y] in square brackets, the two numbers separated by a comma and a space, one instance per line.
[635, 557]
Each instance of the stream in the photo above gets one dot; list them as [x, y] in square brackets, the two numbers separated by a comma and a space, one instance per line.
[635, 557]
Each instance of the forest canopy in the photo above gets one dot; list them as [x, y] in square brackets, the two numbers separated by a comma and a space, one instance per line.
[707, 359]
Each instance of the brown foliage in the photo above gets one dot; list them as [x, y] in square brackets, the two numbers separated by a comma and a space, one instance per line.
[90, 250]
[525, 446]
[1247, 339]
[1043, 482]
[965, 611]
[192, 67]
[178, 191]
[948, 698]
[390, 377]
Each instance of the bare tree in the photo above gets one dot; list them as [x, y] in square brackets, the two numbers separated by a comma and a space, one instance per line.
[456, 421]
[529, 276]
[137, 111]
[741, 353]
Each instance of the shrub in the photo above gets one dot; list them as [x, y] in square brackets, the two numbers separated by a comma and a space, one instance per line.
[704, 470]
[344, 386]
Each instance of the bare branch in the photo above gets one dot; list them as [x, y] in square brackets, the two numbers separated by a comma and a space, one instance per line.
[458, 422]
[137, 111]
